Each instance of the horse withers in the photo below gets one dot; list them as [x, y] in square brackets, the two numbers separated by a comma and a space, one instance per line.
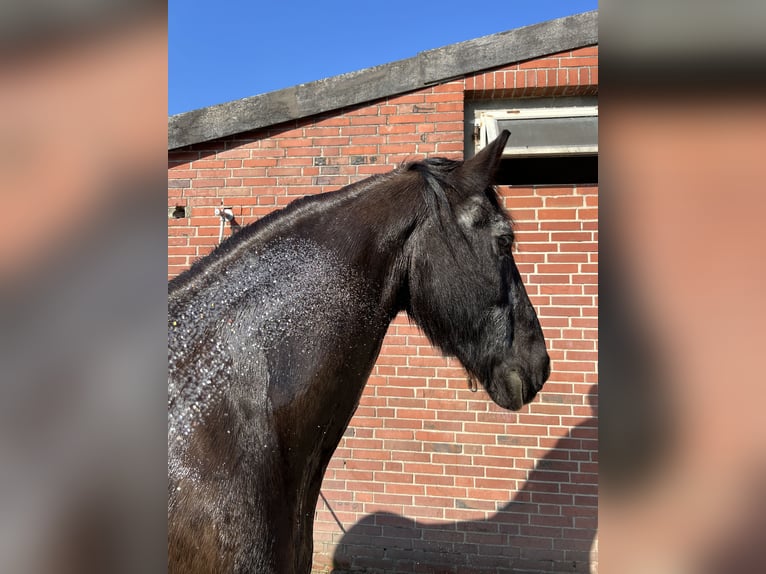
[271, 339]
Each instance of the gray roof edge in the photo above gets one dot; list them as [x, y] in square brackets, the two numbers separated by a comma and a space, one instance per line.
[426, 68]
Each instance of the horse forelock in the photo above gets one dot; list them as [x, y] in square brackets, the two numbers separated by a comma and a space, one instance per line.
[435, 188]
[443, 195]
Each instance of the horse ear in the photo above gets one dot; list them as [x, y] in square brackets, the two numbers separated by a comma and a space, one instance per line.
[483, 166]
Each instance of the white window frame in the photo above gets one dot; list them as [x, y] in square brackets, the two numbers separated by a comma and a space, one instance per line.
[487, 122]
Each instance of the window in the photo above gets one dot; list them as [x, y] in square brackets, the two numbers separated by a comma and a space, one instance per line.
[553, 140]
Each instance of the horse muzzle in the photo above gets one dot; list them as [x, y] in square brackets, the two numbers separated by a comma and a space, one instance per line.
[512, 386]
[508, 389]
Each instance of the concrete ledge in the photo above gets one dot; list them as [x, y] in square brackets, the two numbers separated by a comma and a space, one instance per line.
[427, 68]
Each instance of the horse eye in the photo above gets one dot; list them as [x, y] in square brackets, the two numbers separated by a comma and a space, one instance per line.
[504, 242]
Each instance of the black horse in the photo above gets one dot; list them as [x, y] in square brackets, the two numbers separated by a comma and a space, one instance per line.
[272, 336]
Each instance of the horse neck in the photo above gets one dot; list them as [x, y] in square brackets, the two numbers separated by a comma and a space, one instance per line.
[367, 226]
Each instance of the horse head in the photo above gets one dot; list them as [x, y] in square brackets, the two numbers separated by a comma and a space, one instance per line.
[465, 290]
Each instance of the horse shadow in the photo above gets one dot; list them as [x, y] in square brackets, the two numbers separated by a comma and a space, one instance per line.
[549, 525]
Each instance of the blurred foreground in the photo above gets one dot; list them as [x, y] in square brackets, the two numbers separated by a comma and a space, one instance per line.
[82, 287]
[683, 274]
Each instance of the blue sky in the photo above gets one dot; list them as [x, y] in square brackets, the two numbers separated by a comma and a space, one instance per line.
[230, 49]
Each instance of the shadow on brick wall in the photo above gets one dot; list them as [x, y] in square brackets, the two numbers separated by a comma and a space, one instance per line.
[548, 526]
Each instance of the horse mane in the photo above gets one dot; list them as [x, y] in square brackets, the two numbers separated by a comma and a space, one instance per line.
[231, 245]
[435, 190]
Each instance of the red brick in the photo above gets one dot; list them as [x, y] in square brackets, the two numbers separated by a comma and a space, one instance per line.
[233, 153]
[579, 61]
[218, 182]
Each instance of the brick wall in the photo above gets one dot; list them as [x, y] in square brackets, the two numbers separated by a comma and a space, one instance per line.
[431, 477]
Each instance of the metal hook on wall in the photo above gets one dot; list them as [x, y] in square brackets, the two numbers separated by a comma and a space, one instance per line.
[226, 214]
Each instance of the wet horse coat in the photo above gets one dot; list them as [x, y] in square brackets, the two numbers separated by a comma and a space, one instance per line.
[271, 339]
